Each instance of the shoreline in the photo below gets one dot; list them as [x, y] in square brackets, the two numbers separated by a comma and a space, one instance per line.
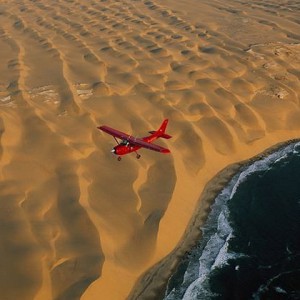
[153, 282]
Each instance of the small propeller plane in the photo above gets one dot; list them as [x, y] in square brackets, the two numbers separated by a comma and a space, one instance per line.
[130, 144]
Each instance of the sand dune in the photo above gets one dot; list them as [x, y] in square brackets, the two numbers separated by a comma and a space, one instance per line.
[76, 223]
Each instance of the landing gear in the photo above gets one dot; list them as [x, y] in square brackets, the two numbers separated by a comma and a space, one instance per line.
[137, 155]
[119, 158]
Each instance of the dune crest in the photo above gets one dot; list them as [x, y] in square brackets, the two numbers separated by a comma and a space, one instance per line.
[76, 223]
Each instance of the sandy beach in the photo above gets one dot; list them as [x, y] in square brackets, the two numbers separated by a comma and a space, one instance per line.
[75, 222]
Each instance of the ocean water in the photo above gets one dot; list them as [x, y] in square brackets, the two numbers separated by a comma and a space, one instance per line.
[250, 247]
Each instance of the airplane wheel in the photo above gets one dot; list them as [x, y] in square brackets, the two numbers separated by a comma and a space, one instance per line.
[138, 156]
[119, 158]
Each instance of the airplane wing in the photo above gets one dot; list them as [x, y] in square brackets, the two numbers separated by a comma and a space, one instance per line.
[115, 133]
[147, 145]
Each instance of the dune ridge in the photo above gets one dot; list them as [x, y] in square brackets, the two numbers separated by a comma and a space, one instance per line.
[76, 223]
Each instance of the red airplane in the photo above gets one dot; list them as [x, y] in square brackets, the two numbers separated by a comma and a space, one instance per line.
[130, 144]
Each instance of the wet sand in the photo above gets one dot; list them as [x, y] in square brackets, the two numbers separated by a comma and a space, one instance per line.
[75, 222]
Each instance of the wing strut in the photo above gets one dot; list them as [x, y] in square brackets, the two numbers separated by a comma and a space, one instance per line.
[116, 140]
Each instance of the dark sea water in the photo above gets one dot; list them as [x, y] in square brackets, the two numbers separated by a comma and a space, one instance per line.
[250, 247]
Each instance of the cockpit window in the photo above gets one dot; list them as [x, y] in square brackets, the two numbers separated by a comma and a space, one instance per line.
[124, 142]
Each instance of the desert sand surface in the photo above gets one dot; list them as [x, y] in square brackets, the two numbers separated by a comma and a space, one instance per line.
[75, 222]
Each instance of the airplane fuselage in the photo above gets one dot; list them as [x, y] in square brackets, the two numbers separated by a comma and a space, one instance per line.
[126, 147]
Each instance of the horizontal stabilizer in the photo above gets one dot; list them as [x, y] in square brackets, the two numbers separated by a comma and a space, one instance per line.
[161, 135]
[165, 136]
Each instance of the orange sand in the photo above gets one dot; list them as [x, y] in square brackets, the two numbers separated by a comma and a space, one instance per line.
[75, 222]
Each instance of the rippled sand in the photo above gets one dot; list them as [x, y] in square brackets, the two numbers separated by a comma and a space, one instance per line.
[75, 222]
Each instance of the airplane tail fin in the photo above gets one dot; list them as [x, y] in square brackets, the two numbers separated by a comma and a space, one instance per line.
[161, 131]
